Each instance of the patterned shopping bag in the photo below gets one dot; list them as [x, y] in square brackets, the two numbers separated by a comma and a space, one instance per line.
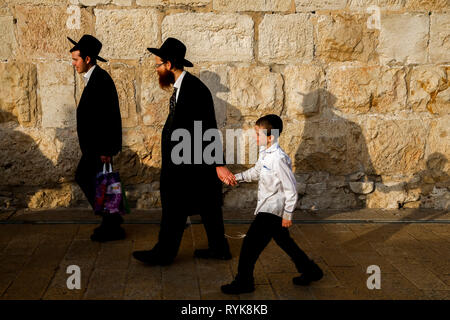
[109, 196]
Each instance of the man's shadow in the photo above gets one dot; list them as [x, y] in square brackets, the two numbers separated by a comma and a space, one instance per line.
[24, 169]
[332, 150]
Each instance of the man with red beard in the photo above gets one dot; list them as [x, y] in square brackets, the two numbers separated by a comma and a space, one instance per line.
[190, 187]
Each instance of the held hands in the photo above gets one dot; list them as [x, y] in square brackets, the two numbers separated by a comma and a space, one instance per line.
[286, 223]
[226, 176]
[105, 159]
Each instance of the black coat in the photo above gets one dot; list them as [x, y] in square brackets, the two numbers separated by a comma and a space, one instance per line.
[191, 187]
[99, 124]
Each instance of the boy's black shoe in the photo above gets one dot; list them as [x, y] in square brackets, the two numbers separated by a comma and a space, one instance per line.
[314, 273]
[238, 286]
[103, 234]
[210, 254]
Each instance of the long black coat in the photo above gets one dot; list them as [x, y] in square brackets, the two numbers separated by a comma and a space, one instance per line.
[99, 124]
[190, 187]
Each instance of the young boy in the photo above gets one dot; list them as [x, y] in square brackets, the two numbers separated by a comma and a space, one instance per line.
[277, 196]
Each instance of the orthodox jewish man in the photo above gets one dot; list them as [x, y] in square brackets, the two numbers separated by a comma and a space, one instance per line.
[193, 184]
[99, 128]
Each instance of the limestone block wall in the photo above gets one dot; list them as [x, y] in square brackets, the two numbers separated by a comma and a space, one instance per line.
[362, 87]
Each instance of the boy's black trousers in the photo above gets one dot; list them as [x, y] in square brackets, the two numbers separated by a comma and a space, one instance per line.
[265, 227]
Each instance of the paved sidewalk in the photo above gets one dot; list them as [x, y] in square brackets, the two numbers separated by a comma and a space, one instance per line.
[411, 247]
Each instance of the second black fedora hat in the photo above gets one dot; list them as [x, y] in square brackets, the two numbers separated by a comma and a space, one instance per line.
[172, 49]
[90, 45]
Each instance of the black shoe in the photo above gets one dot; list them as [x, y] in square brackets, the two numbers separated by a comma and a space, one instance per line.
[210, 254]
[102, 234]
[149, 257]
[237, 287]
[314, 273]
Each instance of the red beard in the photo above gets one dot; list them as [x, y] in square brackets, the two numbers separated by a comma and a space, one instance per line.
[166, 79]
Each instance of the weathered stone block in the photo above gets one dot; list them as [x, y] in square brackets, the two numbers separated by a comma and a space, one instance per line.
[335, 146]
[302, 94]
[154, 105]
[429, 90]
[362, 187]
[140, 159]
[346, 37]
[285, 39]
[216, 79]
[37, 157]
[387, 195]
[363, 5]
[402, 155]
[56, 92]
[212, 37]
[43, 30]
[312, 5]
[18, 98]
[360, 89]
[127, 33]
[191, 3]
[7, 38]
[440, 38]
[438, 147]
[255, 91]
[403, 38]
[124, 76]
[255, 5]
[427, 5]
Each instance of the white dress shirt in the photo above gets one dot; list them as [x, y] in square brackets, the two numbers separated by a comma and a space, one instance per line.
[177, 84]
[277, 192]
[87, 75]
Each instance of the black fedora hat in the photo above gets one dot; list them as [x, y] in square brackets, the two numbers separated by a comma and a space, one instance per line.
[90, 46]
[172, 49]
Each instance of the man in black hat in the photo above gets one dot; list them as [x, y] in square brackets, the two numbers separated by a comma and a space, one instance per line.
[99, 128]
[191, 187]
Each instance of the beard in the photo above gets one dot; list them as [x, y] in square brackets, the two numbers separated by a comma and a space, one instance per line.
[166, 79]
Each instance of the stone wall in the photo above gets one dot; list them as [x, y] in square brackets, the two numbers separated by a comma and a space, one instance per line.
[364, 93]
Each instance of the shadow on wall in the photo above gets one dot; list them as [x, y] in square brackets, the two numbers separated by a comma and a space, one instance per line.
[24, 169]
[335, 168]
[229, 117]
[332, 152]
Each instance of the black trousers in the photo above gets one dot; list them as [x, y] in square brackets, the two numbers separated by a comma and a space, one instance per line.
[87, 170]
[173, 222]
[265, 227]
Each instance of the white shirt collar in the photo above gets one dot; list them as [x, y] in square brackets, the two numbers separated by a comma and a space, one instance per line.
[179, 80]
[272, 148]
[88, 74]
[177, 84]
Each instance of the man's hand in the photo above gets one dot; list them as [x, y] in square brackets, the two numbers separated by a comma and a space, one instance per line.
[226, 176]
[105, 159]
[286, 223]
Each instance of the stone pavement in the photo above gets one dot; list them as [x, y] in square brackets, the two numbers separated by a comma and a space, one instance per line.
[411, 247]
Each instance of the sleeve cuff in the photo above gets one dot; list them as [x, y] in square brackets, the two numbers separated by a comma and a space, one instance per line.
[287, 215]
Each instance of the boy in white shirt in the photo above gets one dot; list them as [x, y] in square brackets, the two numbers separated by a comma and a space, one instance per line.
[277, 197]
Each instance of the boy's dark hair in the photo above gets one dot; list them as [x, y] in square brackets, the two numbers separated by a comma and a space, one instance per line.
[269, 122]
[175, 63]
[84, 55]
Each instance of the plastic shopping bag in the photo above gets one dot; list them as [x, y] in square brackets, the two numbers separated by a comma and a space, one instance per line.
[109, 195]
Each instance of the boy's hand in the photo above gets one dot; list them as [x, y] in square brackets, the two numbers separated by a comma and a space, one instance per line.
[226, 176]
[286, 223]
